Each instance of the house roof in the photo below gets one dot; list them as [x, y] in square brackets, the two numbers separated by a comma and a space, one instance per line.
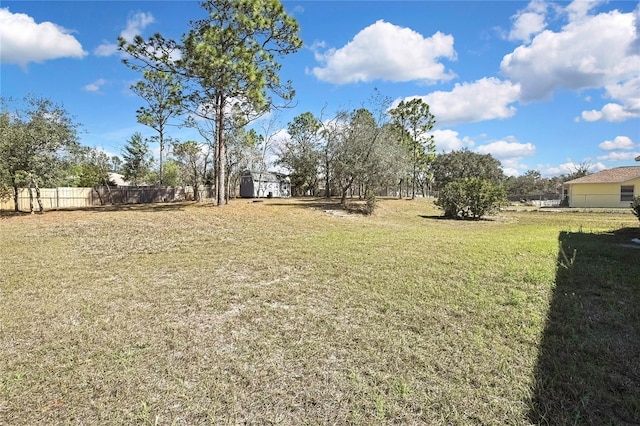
[615, 175]
[118, 179]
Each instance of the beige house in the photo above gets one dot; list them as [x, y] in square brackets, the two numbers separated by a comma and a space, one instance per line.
[609, 188]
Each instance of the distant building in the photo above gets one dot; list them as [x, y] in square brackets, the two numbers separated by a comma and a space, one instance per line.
[118, 179]
[609, 188]
[264, 184]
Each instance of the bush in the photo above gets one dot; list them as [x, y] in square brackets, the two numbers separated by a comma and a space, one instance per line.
[471, 198]
[635, 206]
[6, 192]
[371, 202]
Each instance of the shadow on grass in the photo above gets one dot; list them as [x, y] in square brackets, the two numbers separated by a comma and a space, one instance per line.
[143, 207]
[302, 202]
[353, 205]
[456, 219]
[146, 207]
[588, 369]
[6, 214]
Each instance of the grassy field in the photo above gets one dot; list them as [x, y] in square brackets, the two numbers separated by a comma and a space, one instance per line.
[293, 312]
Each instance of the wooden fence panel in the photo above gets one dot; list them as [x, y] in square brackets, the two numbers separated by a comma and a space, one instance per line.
[52, 198]
[60, 198]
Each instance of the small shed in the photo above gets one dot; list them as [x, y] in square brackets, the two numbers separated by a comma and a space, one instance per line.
[264, 184]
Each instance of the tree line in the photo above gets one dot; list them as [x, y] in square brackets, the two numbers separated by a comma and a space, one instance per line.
[368, 152]
[219, 78]
[39, 147]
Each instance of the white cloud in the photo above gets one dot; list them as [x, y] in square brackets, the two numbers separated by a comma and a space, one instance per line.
[387, 52]
[609, 112]
[619, 156]
[504, 150]
[485, 99]
[568, 168]
[562, 169]
[579, 9]
[448, 140]
[590, 51]
[95, 86]
[529, 22]
[526, 25]
[23, 40]
[627, 93]
[620, 142]
[513, 167]
[508, 171]
[297, 10]
[135, 24]
[106, 49]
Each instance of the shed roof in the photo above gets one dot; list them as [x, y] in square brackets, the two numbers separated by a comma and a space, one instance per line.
[615, 175]
[266, 176]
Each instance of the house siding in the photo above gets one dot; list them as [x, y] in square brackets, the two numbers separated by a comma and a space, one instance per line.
[587, 195]
[255, 185]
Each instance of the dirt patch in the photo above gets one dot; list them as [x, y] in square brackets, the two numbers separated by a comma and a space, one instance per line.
[340, 213]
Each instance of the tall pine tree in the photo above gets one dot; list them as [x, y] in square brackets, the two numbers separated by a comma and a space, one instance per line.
[137, 159]
[228, 56]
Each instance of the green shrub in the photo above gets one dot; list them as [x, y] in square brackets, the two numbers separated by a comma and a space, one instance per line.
[371, 202]
[5, 192]
[635, 206]
[471, 198]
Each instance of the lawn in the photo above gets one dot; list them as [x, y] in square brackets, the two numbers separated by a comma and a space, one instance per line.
[294, 312]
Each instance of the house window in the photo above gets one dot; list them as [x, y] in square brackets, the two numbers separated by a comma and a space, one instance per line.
[626, 193]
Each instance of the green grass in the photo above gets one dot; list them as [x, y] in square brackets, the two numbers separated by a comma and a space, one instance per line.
[282, 312]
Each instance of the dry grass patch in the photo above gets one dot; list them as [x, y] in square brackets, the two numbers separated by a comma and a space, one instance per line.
[275, 312]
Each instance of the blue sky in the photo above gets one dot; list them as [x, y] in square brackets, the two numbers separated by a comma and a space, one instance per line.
[539, 85]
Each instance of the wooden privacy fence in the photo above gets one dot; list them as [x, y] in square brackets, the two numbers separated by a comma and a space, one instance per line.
[60, 198]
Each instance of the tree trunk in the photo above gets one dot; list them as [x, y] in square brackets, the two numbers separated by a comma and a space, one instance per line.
[229, 184]
[345, 189]
[161, 143]
[31, 200]
[38, 198]
[221, 151]
[327, 179]
[109, 192]
[259, 180]
[95, 188]
[415, 160]
[221, 191]
[16, 205]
